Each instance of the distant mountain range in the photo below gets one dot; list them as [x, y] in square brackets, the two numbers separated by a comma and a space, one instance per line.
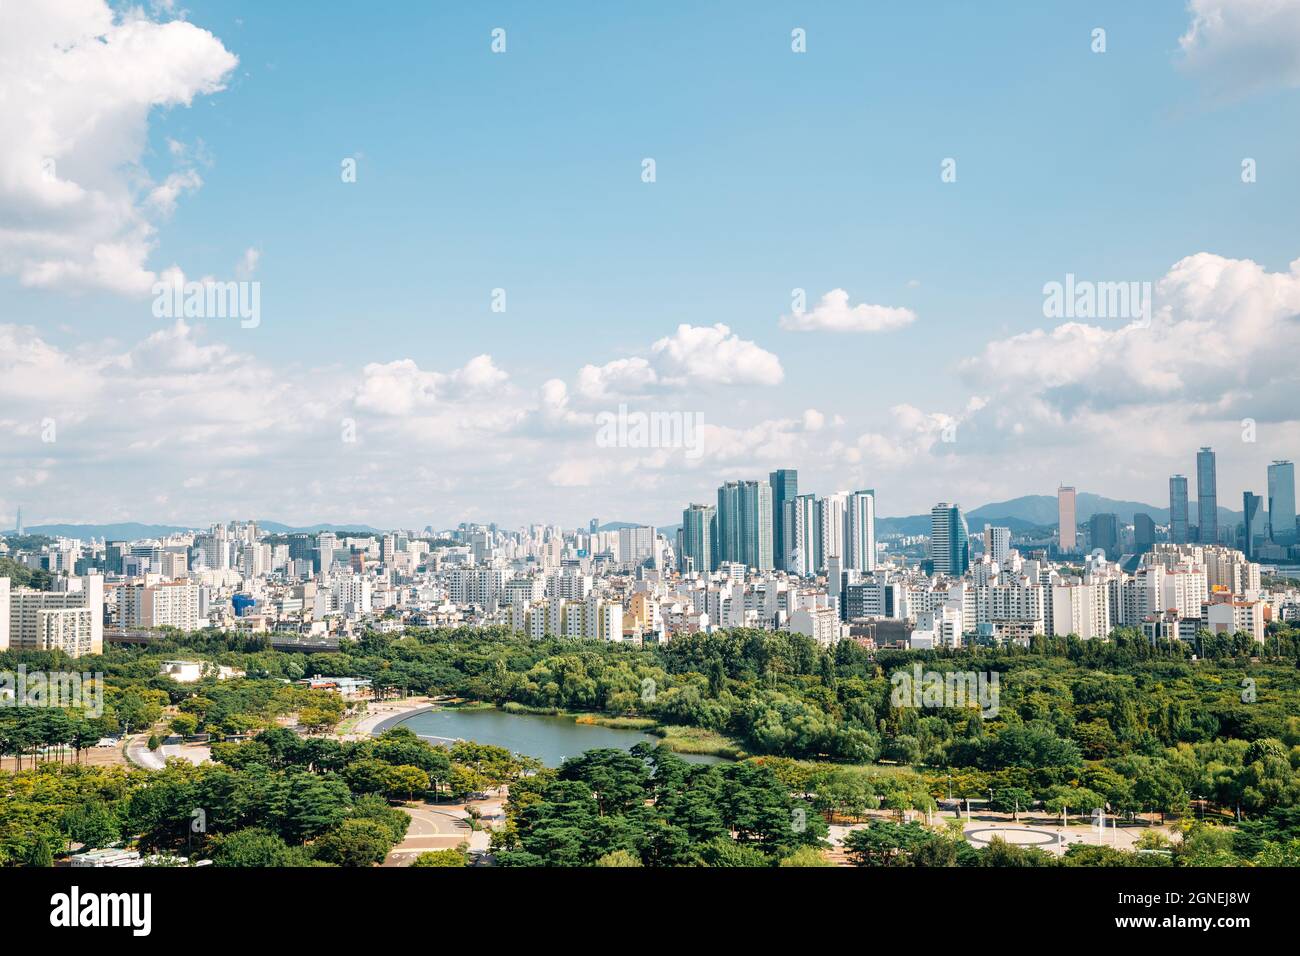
[133, 530]
[1041, 510]
[1022, 515]
[1025, 514]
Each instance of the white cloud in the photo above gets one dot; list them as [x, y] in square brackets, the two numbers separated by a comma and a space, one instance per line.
[693, 356]
[1070, 403]
[1221, 327]
[713, 354]
[620, 377]
[834, 314]
[77, 85]
[248, 263]
[402, 388]
[1243, 46]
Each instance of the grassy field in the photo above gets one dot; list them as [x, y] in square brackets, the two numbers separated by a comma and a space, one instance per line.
[697, 740]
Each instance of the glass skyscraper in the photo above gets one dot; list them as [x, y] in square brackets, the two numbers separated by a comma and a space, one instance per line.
[1252, 521]
[745, 523]
[785, 487]
[1144, 532]
[1281, 502]
[1207, 498]
[949, 540]
[1178, 509]
[699, 523]
[1103, 534]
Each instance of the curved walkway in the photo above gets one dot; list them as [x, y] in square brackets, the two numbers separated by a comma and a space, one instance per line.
[444, 828]
[386, 714]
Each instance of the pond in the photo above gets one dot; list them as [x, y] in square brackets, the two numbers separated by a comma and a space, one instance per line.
[549, 739]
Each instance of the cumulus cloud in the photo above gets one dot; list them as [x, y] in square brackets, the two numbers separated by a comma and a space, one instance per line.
[834, 314]
[401, 387]
[77, 86]
[693, 356]
[1221, 327]
[713, 354]
[1068, 402]
[1240, 47]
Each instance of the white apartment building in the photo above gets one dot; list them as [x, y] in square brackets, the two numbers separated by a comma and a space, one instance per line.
[28, 627]
[63, 629]
[351, 593]
[1185, 590]
[830, 520]
[1230, 617]
[860, 531]
[153, 603]
[481, 586]
[944, 626]
[1080, 609]
[1020, 600]
[822, 624]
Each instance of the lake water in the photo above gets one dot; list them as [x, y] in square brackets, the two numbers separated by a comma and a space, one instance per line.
[549, 739]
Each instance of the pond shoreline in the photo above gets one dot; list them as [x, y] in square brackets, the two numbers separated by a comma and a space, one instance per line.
[521, 724]
[388, 723]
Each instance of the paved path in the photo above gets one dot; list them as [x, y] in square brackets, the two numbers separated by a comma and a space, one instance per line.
[378, 713]
[138, 753]
[445, 827]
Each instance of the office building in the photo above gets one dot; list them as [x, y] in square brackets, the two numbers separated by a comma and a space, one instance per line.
[1207, 497]
[997, 543]
[802, 535]
[1281, 503]
[949, 540]
[699, 523]
[745, 523]
[1144, 532]
[1067, 519]
[1103, 534]
[785, 487]
[860, 531]
[1252, 524]
[1178, 530]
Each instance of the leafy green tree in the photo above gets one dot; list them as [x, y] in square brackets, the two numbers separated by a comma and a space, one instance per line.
[805, 856]
[619, 858]
[886, 843]
[251, 847]
[453, 857]
[354, 843]
[1013, 800]
[723, 852]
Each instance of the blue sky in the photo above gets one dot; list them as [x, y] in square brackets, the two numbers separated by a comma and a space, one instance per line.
[775, 171]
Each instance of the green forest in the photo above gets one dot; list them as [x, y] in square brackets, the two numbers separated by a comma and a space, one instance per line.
[1121, 724]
